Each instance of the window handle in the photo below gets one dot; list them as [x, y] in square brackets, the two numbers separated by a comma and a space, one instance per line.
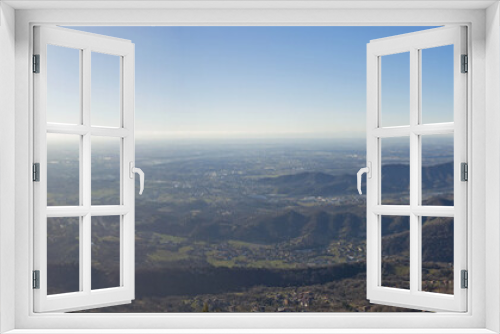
[368, 171]
[139, 171]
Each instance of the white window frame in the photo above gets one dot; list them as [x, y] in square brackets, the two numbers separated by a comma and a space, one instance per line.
[483, 314]
[414, 43]
[86, 44]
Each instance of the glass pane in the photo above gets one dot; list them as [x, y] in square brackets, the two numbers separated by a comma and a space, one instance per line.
[106, 170]
[437, 84]
[395, 164]
[396, 251]
[437, 170]
[437, 254]
[105, 106]
[63, 255]
[105, 252]
[395, 89]
[63, 85]
[63, 169]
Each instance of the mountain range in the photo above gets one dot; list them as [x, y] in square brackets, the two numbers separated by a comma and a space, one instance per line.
[395, 179]
[317, 227]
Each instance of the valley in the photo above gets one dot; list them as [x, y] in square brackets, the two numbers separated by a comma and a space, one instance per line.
[253, 226]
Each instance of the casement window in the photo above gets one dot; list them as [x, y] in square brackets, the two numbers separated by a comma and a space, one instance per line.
[471, 31]
[80, 126]
[418, 49]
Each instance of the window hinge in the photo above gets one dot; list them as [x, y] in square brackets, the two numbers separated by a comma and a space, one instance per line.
[36, 279]
[465, 279]
[465, 64]
[36, 172]
[464, 170]
[36, 63]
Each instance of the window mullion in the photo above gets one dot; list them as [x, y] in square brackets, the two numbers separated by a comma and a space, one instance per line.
[85, 253]
[86, 180]
[415, 253]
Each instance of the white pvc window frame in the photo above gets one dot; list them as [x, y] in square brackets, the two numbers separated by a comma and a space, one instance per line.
[483, 242]
[86, 44]
[414, 43]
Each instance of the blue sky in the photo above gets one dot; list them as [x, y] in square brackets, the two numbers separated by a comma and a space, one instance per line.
[253, 81]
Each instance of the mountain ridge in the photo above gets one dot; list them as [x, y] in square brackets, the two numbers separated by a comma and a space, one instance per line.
[395, 179]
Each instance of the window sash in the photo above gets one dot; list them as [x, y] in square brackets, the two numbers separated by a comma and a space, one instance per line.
[414, 297]
[86, 297]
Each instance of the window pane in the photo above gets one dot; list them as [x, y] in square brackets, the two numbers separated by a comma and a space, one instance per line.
[437, 170]
[105, 252]
[437, 254]
[63, 85]
[395, 89]
[395, 170]
[437, 84]
[105, 107]
[396, 251]
[63, 255]
[106, 170]
[63, 169]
